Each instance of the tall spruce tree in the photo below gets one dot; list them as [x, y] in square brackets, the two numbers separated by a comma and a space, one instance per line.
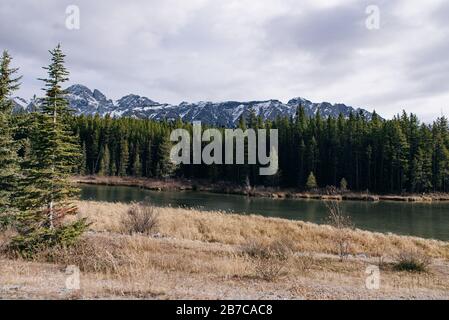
[47, 192]
[165, 167]
[124, 158]
[9, 83]
[148, 172]
[105, 162]
[137, 166]
[82, 168]
[441, 154]
[311, 182]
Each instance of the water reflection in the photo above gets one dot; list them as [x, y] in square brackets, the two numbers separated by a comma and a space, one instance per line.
[418, 219]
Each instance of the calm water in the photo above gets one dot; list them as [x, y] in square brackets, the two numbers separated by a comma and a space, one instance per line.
[418, 219]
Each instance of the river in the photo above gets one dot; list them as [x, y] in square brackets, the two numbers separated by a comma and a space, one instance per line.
[427, 220]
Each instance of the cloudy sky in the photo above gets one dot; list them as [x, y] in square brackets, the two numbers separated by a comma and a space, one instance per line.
[178, 50]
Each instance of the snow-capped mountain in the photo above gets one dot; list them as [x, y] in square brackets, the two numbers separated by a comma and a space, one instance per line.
[20, 104]
[85, 101]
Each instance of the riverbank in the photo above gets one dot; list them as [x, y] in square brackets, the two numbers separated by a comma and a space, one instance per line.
[226, 188]
[209, 255]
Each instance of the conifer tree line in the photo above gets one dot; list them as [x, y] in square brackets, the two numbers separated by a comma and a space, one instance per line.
[384, 156]
[38, 154]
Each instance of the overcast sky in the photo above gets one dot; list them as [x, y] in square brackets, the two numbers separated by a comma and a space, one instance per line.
[178, 50]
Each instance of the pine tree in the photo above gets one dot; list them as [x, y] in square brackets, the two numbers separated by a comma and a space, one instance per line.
[242, 123]
[137, 167]
[148, 159]
[252, 118]
[165, 167]
[301, 152]
[82, 169]
[343, 184]
[312, 155]
[113, 168]
[124, 158]
[273, 180]
[105, 162]
[311, 182]
[425, 156]
[8, 148]
[300, 119]
[441, 154]
[47, 192]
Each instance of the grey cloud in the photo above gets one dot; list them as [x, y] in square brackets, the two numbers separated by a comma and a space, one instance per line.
[441, 15]
[330, 34]
[178, 50]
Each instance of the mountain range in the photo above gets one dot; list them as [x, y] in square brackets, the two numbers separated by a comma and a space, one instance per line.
[85, 101]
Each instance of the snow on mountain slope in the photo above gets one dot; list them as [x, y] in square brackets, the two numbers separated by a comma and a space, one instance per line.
[85, 101]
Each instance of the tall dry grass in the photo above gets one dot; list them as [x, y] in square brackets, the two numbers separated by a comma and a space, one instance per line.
[236, 229]
[214, 255]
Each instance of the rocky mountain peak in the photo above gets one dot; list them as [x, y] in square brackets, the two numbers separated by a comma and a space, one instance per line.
[85, 101]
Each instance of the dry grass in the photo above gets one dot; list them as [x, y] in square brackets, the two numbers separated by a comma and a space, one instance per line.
[210, 255]
[268, 260]
[236, 229]
[280, 249]
[125, 266]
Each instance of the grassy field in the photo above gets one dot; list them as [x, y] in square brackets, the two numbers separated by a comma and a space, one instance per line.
[209, 255]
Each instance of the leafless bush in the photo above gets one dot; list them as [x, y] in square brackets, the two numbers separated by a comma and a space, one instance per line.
[268, 259]
[267, 269]
[343, 224]
[413, 261]
[336, 217]
[253, 248]
[283, 249]
[141, 218]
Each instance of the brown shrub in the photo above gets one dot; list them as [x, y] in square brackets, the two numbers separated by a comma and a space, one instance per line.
[141, 218]
[413, 261]
[268, 259]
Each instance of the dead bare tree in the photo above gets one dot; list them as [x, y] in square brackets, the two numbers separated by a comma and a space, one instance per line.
[337, 219]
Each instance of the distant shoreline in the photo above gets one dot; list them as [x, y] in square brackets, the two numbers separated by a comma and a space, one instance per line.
[265, 192]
